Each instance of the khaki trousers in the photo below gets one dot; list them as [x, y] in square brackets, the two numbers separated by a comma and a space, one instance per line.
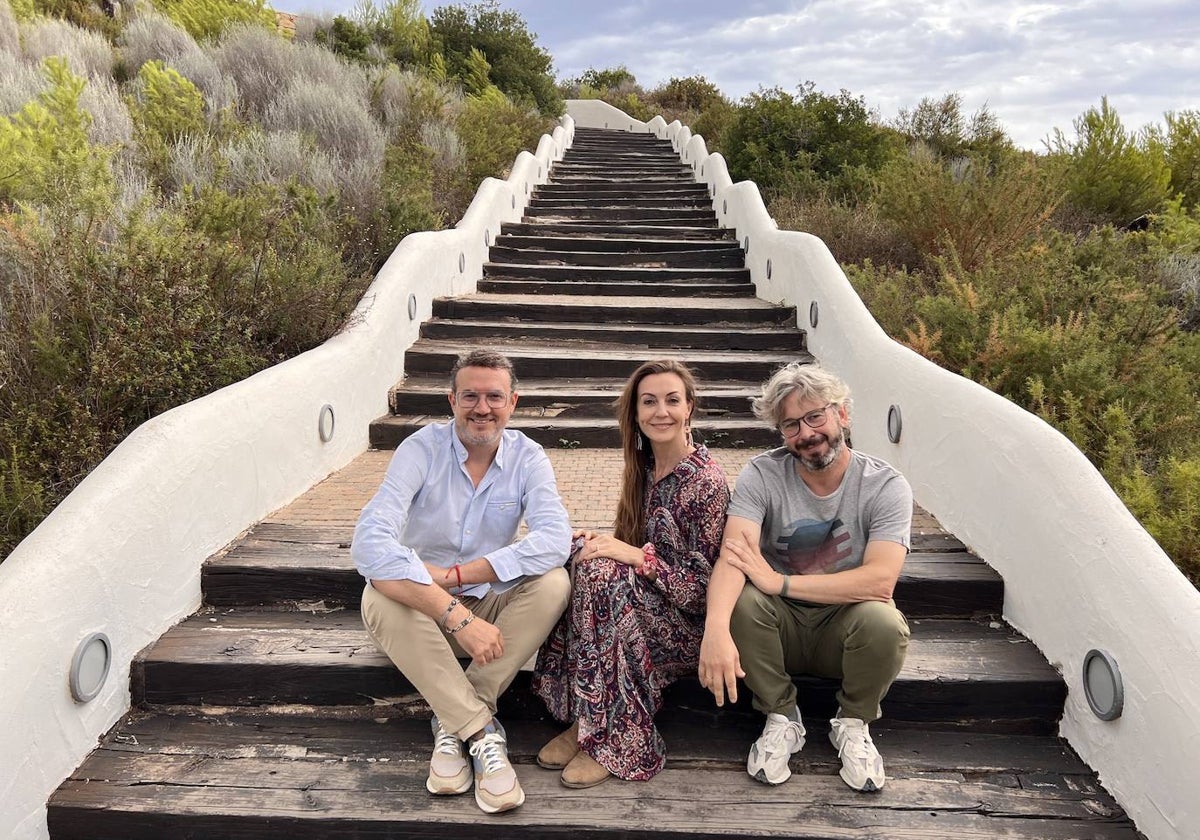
[465, 701]
[861, 644]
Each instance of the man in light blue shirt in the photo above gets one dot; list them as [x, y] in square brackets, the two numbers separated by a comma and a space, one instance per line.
[447, 578]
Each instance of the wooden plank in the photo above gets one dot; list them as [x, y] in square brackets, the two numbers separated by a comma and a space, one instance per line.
[616, 274]
[263, 571]
[648, 231]
[359, 735]
[141, 796]
[957, 673]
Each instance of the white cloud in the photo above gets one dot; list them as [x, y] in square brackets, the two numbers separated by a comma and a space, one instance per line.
[1037, 65]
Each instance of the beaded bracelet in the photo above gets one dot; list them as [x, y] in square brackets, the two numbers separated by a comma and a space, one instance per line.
[649, 562]
[452, 630]
[454, 602]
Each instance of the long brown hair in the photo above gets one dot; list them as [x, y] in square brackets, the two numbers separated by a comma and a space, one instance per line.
[630, 524]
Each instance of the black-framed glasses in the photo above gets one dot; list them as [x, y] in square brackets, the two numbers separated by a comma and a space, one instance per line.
[815, 419]
[494, 399]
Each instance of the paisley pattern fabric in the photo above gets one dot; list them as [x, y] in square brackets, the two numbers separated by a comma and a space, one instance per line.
[623, 638]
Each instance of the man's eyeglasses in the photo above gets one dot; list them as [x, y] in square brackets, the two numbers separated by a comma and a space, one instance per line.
[470, 399]
[814, 420]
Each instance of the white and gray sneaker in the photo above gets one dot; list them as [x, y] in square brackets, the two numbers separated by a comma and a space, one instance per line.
[449, 769]
[769, 755]
[862, 767]
[496, 786]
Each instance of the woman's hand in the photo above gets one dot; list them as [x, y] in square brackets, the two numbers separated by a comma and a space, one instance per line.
[749, 561]
[606, 545]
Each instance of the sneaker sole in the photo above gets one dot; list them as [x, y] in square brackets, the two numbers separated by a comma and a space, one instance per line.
[761, 776]
[448, 787]
[869, 786]
[501, 808]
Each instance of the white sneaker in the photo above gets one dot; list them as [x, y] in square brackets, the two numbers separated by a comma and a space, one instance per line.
[496, 785]
[781, 738]
[449, 770]
[862, 767]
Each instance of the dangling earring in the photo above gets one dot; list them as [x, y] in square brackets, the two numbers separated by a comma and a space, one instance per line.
[688, 429]
[637, 441]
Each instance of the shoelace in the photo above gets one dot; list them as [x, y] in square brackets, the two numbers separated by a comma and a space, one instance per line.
[856, 741]
[490, 751]
[776, 738]
[447, 743]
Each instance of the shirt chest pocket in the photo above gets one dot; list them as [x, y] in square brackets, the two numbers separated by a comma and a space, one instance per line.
[502, 507]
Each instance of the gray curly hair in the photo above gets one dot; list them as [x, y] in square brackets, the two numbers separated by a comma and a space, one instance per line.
[807, 380]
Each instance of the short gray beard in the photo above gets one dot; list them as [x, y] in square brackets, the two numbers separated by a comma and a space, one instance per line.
[824, 462]
[470, 439]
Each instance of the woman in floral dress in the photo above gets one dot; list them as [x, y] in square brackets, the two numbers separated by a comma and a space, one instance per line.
[636, 615]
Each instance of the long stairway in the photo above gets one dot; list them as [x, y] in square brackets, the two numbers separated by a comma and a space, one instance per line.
[270, 714]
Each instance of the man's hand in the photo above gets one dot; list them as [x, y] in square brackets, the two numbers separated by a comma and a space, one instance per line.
[482, 640]
[748, 560]
[720, 665]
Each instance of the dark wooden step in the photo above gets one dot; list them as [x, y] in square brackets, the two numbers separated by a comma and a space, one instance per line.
[571, 273]
[242, 776]
[263, 570]
[650, 215]
[582, 359]
[637, 164]
[594, 202]
[594, 177]
[710, 258]
[648, 338]
[549, 242]
[570, 432]
[620, 231]
[613, 288]
[577, 397]
[628, 310]
[603, 188]
[957, 674]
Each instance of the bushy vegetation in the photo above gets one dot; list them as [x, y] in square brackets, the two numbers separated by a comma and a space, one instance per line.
[188, 196]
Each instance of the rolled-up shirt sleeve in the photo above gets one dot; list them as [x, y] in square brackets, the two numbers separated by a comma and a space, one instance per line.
[547, 541]
[377, 550]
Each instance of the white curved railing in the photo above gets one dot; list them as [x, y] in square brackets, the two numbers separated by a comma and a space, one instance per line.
[1080, 572]
[122, 554]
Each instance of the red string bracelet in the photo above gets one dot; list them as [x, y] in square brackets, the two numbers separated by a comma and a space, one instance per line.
[458, 574]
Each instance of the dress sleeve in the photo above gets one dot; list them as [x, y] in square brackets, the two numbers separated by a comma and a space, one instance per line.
[686, 531]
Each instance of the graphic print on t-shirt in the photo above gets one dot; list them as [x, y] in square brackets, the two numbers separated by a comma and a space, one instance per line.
[813, 547]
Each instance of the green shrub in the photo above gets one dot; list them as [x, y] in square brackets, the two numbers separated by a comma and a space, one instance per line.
[809, 142]
[209, 18]
[44, 147]
[976, 207]
[493, 131]
[1114, 174]
[519, 67]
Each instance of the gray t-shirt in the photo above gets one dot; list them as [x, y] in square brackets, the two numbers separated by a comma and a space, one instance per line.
[806, 534]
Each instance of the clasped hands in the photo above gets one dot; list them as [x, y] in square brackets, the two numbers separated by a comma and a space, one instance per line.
[606, 545]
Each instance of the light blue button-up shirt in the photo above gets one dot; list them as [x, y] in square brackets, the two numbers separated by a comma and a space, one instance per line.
[429, 511]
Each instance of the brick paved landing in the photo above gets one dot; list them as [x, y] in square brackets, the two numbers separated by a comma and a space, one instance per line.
[588, 480]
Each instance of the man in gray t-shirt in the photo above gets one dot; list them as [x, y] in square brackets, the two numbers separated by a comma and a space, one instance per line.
[815, 539]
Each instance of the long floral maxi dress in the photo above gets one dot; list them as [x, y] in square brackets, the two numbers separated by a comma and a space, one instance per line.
[623, 638]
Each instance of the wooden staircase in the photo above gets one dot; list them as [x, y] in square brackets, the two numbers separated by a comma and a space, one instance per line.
[270, 714]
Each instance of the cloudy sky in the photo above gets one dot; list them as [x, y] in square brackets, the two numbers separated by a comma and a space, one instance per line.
[1036, 65]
